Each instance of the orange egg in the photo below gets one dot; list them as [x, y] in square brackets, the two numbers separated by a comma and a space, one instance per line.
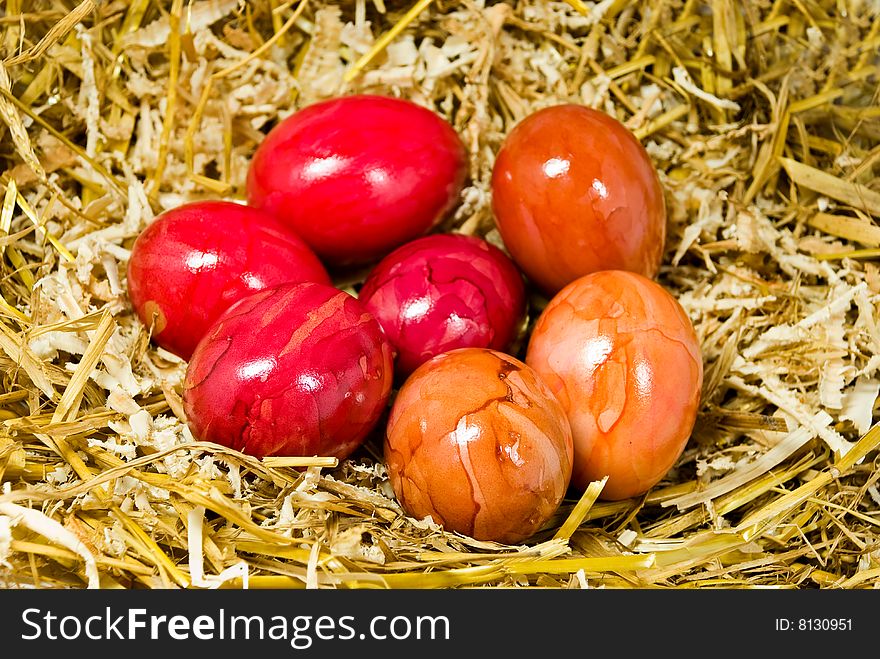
[574, 192]
[476, 440]
[622, 357]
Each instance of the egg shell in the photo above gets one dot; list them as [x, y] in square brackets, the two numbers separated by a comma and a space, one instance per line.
[194, 261]
[443, 292]
[476, 440]
[294, 370]
[359, 175]
[574, 192]
[622, 357]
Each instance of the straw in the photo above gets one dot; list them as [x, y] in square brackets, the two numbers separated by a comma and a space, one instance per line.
[762, 121]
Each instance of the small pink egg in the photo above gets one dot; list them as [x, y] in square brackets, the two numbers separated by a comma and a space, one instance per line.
[442, 292]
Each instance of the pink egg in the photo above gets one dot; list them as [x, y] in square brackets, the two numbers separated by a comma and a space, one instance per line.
[295, 370]
[443, 292]
[194, 261]
[359, 175]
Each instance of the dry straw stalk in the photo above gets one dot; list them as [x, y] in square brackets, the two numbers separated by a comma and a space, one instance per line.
[763, 119]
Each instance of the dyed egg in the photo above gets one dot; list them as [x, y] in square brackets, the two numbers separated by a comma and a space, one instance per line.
[622, 357]
[573, 192]
[293, 370]
[478, 442]
[194, 261]
[442, 292]
[359, 175]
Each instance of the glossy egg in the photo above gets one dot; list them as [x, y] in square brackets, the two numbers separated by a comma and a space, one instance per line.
[194, 261]
[293, 370]
[357, 176]
[574, 192]
[476, 440]
[622, 357]
[443, 292]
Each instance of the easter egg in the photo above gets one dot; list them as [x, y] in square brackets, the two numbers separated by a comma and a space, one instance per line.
[292, 370]
[623, 359]
[443, 292]
[357, 176]
[477, 441]
[574, 192]
[194, 261]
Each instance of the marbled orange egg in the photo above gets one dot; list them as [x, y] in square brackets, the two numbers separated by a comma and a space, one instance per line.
[622, 357]
[574, 192]
[476, 440]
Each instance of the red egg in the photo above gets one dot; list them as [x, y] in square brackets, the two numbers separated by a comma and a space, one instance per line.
[442, 292]
[293, 370]
[359, 175]
[478, 442]
[622, 357]
[192, 262]
[573, 192]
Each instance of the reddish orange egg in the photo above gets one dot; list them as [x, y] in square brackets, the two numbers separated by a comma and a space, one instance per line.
[622, 357]
[574, 192]
[478, 442]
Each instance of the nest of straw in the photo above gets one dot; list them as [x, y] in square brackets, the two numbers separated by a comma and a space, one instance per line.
[763, 119]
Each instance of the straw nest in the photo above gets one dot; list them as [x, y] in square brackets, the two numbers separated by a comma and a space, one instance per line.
[763, 119]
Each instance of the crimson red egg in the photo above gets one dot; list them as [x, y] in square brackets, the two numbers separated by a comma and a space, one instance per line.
[477, 441]
[574, 192]
[622, 357]
[443, 292]
[194, 261]
[359, 175]
[293, 370]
